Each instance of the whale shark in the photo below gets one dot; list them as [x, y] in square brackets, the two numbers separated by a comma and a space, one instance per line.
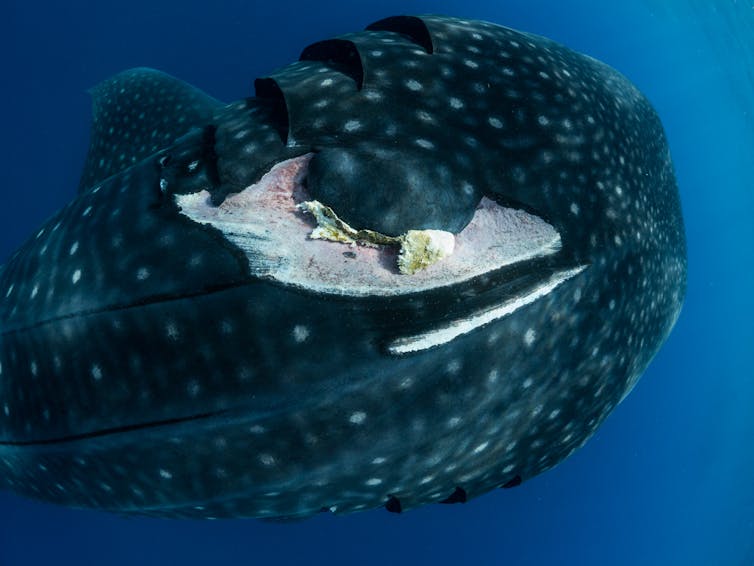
[422, 262]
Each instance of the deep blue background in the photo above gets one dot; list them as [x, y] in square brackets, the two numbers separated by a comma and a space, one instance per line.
[669, 479]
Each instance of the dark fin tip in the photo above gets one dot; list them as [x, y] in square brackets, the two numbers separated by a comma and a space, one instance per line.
[209, 156]
[512, 482]
[412, 27]
[393, 504]
[458, 496]
[338, 54]
[267, 89]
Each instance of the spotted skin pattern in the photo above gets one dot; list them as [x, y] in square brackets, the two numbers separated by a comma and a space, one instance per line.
[136, 113]
[145, 370]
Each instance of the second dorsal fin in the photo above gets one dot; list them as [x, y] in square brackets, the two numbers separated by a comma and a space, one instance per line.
[134, 114]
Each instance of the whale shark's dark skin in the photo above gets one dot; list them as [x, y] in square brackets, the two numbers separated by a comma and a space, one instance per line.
[174, 343]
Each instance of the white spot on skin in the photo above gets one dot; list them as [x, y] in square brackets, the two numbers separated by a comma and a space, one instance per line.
[493, 376]
[424, 116]
[529, 337]
[87, 210]
[300, 333]
[352, 126]
[142, 274]
[373, 481]
[453, 367]
[96, 372]
[326, 82]
[414, 85]
[34, 369]
[193, 388]
[35, 290]
[76, 276]
[481, 447]
[456, 103]
[266, 459]
[74, 247]
[358, 417]
[165, 474]
[426, 144]
[495, 122]
[171, 331]
[574, 209]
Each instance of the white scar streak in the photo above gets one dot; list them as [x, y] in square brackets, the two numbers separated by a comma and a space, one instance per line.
[445, 334]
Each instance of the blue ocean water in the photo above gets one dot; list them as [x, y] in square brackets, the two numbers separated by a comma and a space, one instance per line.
[668, 479]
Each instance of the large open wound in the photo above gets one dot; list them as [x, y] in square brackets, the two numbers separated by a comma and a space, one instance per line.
[292, 241]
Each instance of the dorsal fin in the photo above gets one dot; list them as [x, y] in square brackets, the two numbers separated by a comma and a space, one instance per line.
[134, 114]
